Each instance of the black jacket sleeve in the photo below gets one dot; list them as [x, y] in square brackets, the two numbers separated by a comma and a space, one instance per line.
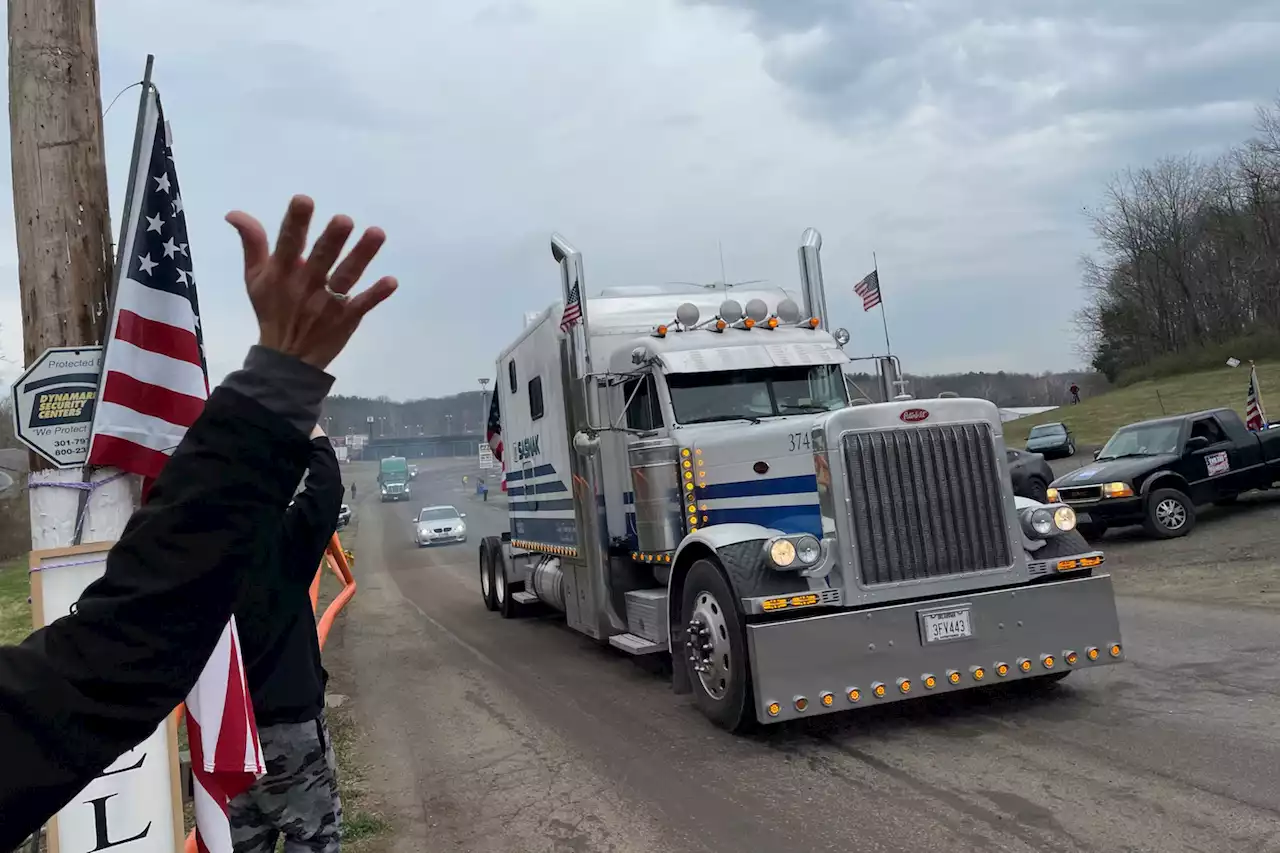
[93, 684]
[310, 522]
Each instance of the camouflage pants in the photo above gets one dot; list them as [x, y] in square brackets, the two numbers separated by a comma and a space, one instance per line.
[297, 798]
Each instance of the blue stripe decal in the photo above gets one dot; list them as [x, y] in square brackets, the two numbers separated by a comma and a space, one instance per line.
[547, 531]
[540, 471]
[549, 487]
[541, 506]
[757, 488]
[628, 497]
[788, 519]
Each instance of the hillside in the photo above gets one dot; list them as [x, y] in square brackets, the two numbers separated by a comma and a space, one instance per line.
[1096, 418]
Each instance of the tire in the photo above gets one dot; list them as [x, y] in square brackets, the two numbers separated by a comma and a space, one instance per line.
[1038, 490]
[1071, 450]
[1093, 531]
[724, 693]
[506, 605]
[486, 577]
[1170, 514]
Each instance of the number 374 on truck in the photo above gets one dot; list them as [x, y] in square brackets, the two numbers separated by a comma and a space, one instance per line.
[688, 475]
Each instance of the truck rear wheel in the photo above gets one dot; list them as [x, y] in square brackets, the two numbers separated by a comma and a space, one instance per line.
[716, 645]
[486, 575]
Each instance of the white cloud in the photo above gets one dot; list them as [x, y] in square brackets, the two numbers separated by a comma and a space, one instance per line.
[959, 141]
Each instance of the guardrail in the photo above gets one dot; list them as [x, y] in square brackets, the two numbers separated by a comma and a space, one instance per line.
[336, 560]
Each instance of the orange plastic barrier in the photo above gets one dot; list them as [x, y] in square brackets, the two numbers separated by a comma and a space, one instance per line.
[336, 559]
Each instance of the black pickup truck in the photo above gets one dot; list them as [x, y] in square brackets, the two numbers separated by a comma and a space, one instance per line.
[1157, 472]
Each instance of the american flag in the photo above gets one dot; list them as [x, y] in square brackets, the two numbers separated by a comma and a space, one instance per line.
[493, 431]
[869, 290]
[1255, 417]
[155, 383]
[572, 312]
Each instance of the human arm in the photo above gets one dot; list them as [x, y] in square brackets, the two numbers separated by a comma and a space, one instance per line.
[310, 521]
[92, 685]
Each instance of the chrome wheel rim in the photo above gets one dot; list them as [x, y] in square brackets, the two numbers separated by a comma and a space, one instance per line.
[484, 578]
[709, 648]
[1171, 514]
[499, 584]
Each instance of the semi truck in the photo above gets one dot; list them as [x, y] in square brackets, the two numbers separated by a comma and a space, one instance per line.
[688, 476]
[393, 479]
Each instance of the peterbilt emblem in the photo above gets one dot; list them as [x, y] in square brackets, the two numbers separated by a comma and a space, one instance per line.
[914, 416]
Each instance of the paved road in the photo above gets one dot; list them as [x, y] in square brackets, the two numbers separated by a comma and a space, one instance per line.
[487, 734]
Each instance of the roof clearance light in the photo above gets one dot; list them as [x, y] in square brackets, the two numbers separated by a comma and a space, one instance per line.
[660, 332]
[1115, 650]
[813, 323]
[772, 322]
[878, 689]
[1024, 664]
[953, 676]
[748, 323]
[721, 325]
[774, 709]
[853, 694]
[687, 315]
[828, 699]
[788, 311]
[802, 703]
[904, 684]
[1091, 653]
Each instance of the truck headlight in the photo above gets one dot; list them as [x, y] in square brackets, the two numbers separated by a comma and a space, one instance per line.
[1041, 522]
[783, 553]
[808, 549]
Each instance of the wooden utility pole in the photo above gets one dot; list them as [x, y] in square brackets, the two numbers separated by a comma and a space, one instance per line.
[59, 174]
[62, 217]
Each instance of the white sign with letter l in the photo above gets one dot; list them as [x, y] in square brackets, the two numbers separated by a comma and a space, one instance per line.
[135, 805]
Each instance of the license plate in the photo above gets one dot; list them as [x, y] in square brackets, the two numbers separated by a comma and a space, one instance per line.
[1083, 518]
[943, 625]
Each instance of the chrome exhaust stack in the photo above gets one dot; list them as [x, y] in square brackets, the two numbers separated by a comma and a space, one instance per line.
[812, 290]
[586, 581]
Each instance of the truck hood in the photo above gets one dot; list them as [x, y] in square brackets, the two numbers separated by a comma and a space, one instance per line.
[756, 473]
[1122, 470]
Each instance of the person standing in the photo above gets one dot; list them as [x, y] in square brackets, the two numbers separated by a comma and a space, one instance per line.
[298, 796]
[1075, 393]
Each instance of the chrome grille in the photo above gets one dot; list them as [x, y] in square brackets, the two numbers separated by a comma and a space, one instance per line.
[1081, 493]
[926, 502]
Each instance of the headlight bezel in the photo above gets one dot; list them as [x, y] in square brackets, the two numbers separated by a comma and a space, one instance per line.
[1047, 520]
[784, 553]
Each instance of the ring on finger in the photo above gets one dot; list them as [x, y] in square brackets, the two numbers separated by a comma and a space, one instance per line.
[341, 297]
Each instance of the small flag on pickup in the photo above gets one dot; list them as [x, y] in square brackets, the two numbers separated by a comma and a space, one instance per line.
[1255, 417]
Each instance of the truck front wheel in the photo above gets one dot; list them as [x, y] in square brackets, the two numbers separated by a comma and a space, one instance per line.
[1170, 513]
[716, 648]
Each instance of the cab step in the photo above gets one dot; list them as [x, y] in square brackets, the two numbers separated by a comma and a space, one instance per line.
[523, 597]
[636, 645]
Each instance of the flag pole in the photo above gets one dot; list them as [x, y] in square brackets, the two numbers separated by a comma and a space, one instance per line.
[86, 474]
[875, 265]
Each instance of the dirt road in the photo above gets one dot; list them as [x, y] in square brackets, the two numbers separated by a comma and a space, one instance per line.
[520, 735]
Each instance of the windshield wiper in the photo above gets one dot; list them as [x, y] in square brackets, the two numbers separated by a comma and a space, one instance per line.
[716, 418]
[1124, 456]
[805, 410]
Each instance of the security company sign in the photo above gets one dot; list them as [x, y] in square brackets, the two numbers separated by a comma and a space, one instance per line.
[53, 404]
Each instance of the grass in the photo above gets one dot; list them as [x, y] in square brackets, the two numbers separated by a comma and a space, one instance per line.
[1259, 347]
[362, 824]
[15, 610]
[1095, 419]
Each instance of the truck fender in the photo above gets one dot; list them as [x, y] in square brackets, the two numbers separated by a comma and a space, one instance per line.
[739, 551]
[1165, 480]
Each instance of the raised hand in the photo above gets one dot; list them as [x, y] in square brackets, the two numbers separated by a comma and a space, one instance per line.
[303, 310]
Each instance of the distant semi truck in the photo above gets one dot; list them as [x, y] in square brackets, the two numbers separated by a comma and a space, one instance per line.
[393, 479]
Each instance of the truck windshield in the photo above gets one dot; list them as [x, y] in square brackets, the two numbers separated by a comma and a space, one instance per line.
[1143, 440]
[698, 398]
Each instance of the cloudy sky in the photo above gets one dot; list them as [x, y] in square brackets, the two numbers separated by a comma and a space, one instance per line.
[959, 140]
